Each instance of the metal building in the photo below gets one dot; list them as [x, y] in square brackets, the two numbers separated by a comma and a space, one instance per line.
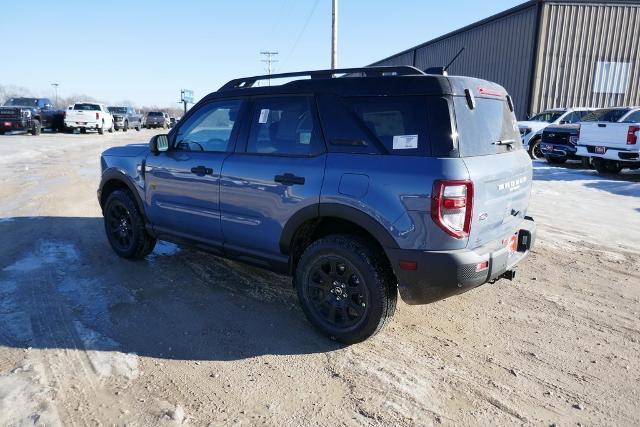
[547, 53]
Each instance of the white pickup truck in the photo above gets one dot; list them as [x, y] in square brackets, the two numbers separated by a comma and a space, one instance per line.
[88, 115]
[613, 144]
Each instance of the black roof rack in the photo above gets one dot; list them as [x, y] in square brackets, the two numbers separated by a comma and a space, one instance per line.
[402, 70]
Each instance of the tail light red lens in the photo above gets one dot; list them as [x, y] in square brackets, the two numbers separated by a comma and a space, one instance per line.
[97, 116]
[452, 206]
[632, 135]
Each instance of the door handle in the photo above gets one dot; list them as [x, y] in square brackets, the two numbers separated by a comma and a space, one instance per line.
[289, 179]
[202, 170]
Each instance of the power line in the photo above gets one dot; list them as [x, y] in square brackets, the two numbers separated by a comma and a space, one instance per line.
[304, 27]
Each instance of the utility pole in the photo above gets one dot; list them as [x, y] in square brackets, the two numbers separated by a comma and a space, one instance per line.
[269, 55]
[334, 35]
[55, 87]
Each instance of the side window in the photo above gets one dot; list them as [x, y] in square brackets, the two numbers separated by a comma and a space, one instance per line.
[398, 123]
[210, 128]
[572, 117]
[633, 118]
[285, 126]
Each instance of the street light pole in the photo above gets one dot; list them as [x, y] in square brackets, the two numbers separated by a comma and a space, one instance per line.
[55, 86]
[334, 35]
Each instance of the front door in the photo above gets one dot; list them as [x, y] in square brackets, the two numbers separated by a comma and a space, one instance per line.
[183, 183]
[276, 171]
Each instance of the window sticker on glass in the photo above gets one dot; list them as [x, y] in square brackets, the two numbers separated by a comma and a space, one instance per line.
[405, 142]
[264, 116]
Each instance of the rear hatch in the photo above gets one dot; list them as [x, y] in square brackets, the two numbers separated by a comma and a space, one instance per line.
[82, 114]
[500, 169]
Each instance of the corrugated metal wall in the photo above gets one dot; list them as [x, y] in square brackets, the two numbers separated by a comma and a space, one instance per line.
[573, 39]
[500, 50]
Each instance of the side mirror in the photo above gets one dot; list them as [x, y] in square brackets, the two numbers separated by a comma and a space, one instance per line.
[563, 122]
[159, 144]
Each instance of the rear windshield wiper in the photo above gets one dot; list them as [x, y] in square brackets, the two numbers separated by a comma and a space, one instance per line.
[505, 142]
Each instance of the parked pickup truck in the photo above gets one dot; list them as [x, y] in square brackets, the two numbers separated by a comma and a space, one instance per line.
[156, 119]
[88, 115]
[31, 115]
[125, 118]
[559, 143]
[531, 129]
[612, 144]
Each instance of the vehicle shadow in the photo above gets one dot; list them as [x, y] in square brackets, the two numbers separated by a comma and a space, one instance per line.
[625, 184]
[61, 286]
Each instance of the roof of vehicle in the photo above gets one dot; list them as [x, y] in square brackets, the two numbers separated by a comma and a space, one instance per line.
[401, 80]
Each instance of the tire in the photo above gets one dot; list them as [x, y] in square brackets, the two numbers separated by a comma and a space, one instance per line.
[125, 127]
[607, 167]
[534, 149]
[124, 226]
[340, 265]
[556, 160]
[586, 162]
[83, 130]
[112, 128]
[101, 129]
[138, 128]
[35, 128]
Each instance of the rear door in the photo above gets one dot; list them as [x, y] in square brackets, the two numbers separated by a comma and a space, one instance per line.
[276, 172]
[501, 171]
[183, 184]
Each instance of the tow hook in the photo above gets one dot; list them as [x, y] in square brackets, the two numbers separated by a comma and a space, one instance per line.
[509, 274]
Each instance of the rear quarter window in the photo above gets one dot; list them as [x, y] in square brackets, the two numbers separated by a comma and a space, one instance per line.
[406, 125]
[480, 130]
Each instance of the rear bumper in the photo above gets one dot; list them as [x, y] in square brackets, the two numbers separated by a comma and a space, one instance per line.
[446, 273]
[88, 125]
[615, 154]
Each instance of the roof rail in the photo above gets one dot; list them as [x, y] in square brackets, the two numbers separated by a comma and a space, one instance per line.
[402, 70]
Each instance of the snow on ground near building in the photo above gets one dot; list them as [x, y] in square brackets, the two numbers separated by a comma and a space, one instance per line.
[571, 203]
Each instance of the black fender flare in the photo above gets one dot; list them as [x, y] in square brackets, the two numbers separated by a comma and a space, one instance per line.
[335, 210]
[117, 175]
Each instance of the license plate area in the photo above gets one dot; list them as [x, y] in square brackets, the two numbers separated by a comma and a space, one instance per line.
[601, 150]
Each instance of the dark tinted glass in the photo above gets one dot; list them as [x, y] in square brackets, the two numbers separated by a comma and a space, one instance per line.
[490, 128]
[87, 107]
[606, 115]
[285, 126]
[22, 102]
[210, 128]
[121, 110]
[397, 123]
[633, 118]
[154, 114]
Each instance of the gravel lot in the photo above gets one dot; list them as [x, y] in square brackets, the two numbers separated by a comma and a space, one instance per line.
[185, 337]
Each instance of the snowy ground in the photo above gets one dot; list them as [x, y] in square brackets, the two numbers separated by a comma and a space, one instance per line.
[185, 337]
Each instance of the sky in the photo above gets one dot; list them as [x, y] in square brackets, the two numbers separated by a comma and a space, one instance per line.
[146, 51]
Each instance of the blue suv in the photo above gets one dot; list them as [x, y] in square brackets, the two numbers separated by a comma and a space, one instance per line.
[385, 180]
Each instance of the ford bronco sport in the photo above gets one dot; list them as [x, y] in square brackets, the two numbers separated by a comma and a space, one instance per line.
[381, 181]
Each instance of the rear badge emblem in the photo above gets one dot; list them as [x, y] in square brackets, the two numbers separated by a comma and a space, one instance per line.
[483, 216]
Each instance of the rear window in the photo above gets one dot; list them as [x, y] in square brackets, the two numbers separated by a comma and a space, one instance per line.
[87, 107]
[490, 128]
[154, 114]
[606, 115]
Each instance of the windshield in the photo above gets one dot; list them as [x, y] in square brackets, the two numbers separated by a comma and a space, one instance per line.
[89, 107]
[121, 110]
[611, 115]
[547, 116]
[154, 114]
[22, 102]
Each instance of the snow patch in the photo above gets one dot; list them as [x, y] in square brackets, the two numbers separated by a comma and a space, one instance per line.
[107, 361]
[24, 400]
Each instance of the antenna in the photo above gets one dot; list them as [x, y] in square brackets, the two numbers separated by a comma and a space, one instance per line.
[453, 60]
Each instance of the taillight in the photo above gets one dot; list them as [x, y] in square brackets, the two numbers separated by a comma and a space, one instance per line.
[97, 116]
[452, 206]
[632, 137]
